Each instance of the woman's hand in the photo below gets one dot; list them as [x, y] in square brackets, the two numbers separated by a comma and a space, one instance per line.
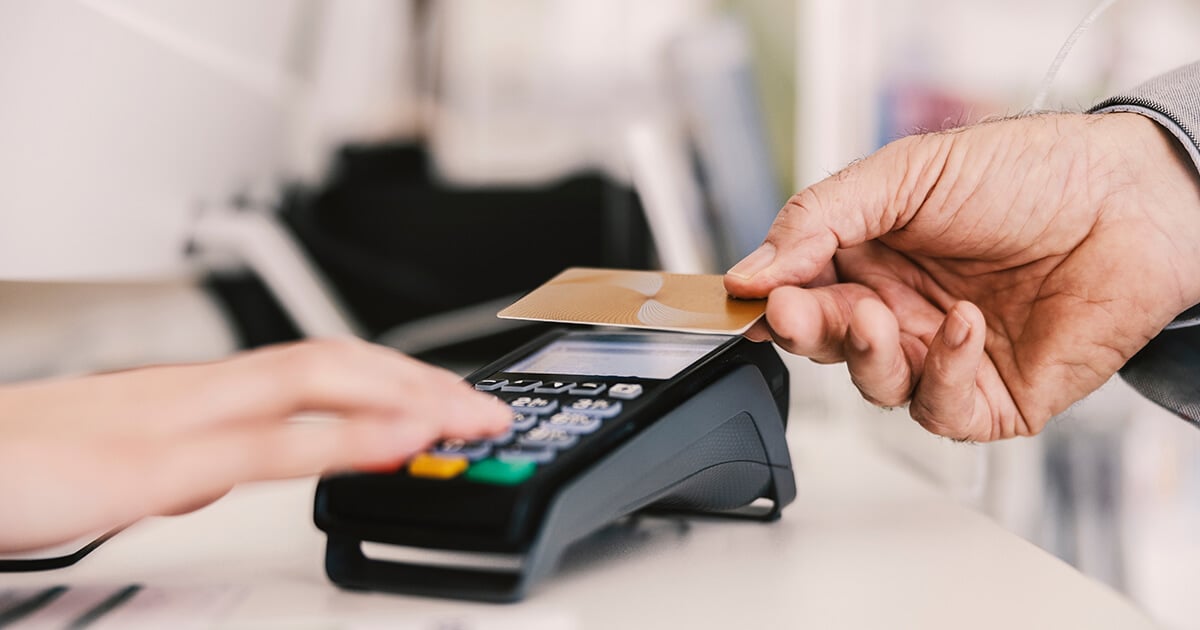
[87, 454]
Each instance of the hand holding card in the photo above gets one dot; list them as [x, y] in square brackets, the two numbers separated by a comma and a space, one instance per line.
[638, 299]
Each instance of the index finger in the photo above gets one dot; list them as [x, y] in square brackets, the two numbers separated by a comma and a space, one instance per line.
[861, 202]
[344, 377]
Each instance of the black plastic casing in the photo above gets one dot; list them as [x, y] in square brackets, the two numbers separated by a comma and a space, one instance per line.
[710, 439]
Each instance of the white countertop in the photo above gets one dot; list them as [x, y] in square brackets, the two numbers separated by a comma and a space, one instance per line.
[866, 544]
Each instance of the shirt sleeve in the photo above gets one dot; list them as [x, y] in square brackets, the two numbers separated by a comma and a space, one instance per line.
[1167, 371]
[1172, 100]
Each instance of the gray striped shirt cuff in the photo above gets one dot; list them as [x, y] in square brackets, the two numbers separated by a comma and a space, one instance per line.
[1172, 100]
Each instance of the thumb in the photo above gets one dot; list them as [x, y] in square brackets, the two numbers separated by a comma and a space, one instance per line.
[861, 202]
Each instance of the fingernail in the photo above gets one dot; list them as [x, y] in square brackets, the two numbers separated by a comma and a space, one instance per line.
[500, 405]
[758, 260]
[502, 412]
[858, 342]
[957, 329]
[485, 403]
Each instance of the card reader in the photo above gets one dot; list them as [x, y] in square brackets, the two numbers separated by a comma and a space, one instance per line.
[604, 424]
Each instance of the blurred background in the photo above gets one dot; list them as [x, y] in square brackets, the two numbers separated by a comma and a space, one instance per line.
[182, 179]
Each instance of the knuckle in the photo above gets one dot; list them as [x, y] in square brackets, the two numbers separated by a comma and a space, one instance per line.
[882, 398]
[921, 413]
[795, 205]
[919, 410]
[898, 393]
[935, 422]
[305, 362]
[883, 386]
[337, 346]
[795, 211]
[305, 359]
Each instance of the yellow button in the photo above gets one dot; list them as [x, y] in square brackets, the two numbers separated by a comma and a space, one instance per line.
[435, 467]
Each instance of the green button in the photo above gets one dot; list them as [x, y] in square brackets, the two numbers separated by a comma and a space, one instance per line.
[492, 470]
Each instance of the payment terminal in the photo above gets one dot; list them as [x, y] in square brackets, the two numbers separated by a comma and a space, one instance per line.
[604, 424]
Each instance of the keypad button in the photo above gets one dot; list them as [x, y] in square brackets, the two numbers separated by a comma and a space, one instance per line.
[474, 450]
[507, 437]
[524, 421]
[597, 407]
[520, 385]
[500, 472]
[436, 466]
[536, 454]
[490, 384]
[534, 404]
[502, 439]
[587, 389]
[575, 423]
[543, 435]
[628, 391]
[553, 387]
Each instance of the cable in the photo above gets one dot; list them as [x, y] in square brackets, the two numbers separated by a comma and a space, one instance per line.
[56, 562]
[1039, 99]
[271, 83]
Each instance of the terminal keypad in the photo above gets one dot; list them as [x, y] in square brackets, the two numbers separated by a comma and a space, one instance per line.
[549, 418]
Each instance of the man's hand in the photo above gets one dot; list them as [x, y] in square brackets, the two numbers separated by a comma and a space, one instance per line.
[989, 276]
[88, 454]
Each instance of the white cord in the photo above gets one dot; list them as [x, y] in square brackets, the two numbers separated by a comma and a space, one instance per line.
[268, 82]
[1039, 100]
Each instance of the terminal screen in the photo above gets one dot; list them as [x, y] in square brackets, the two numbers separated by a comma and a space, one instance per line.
[651, 356]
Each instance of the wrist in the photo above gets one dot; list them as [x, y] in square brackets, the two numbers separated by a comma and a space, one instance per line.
[1156, 180]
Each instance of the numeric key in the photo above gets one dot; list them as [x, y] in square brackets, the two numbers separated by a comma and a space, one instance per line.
[535, 405]
[544, 436]
[596, 407]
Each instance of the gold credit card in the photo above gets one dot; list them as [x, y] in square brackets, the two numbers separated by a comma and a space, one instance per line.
[638, 299]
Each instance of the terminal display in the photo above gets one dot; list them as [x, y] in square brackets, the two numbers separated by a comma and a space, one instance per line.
[636, 356]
